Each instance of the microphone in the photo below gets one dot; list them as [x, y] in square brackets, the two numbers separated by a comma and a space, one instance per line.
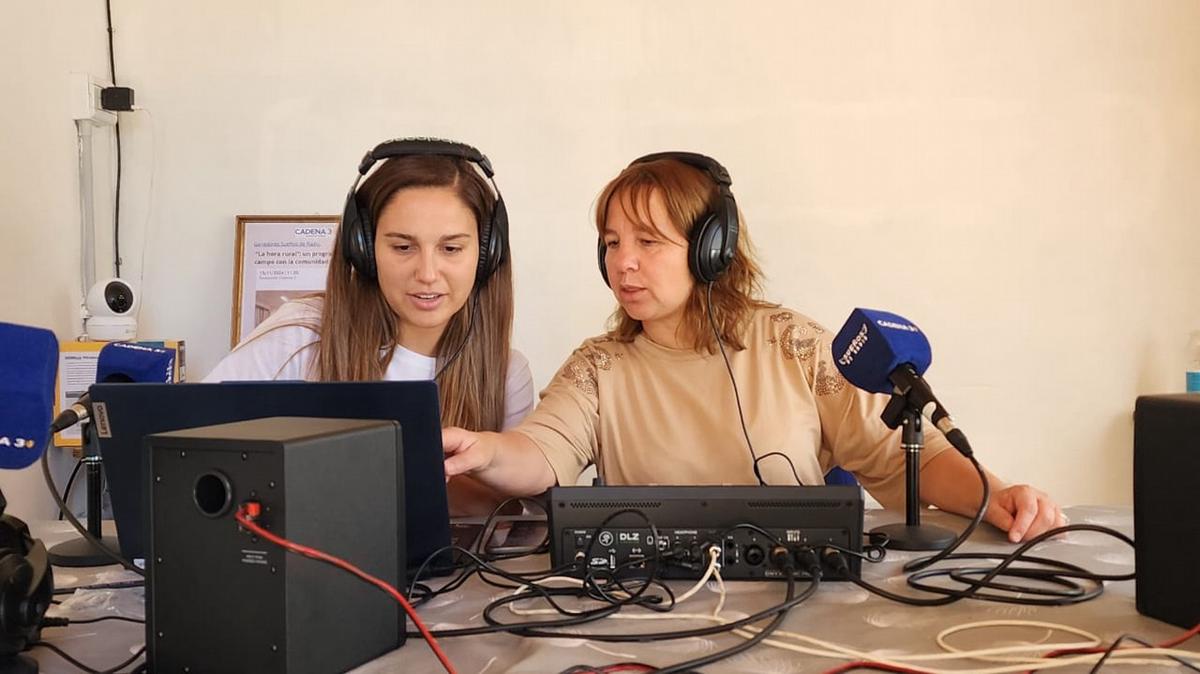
[882, 352]
[120, 362]
[28, 366]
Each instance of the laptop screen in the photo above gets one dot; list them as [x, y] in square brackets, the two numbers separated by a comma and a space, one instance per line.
[125, 413]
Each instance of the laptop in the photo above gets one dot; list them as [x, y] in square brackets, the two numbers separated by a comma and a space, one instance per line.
[125, 413]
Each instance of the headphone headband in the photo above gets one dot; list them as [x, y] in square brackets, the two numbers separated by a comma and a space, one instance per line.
[712, 242]
[399, 147]
[358, 226]
[693, 159]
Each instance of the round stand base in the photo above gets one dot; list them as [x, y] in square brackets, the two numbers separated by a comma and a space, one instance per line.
[80, 552]
[919, 537]
[18, 664]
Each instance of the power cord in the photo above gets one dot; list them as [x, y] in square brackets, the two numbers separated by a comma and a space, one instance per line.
[248, 513]
[112, 70]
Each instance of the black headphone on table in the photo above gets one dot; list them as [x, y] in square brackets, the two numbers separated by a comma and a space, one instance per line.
[713, 240]
[26, 586]
[358, 227]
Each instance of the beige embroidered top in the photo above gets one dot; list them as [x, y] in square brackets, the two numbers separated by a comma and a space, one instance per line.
[647, 414]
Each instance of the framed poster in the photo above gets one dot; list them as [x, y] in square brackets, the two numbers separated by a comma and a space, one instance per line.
[277, 258]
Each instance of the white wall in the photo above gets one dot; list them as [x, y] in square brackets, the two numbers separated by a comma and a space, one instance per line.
[39, 186]
[1020, 179]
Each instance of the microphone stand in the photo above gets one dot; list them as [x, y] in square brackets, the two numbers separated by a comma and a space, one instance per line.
[912, 535]
[80, 552]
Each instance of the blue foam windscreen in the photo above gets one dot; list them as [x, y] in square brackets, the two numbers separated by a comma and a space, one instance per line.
[28, 366]
[872, 344]
[129, 362]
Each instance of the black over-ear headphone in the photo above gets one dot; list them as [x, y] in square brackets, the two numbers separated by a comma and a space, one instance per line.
[358, 227]
[26, 586]
[713, 240]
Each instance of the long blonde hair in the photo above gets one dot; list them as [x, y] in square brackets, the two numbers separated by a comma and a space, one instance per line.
[688, 194]
[359, 332]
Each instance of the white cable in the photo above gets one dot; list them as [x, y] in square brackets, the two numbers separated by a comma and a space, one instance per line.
[839, 652]
[941, 638]
[721, 601]
[713, 566]
[615, 654]
[827, 649]
[146, 231]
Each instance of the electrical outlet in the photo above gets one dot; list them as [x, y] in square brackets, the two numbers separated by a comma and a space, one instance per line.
[85, 100]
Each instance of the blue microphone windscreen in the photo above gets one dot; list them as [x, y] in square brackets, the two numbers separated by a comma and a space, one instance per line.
[129, 362]
[872, 344]
[28, 365]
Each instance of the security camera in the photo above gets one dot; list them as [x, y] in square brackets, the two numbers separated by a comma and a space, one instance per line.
[112, 306]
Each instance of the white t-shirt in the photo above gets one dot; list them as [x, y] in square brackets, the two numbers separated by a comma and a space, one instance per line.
[287, 353]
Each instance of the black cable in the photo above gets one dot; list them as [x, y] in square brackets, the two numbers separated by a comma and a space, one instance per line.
[466, 570]
[757, 638]
[1059, 574]
[481, 543]
[104, 549]
[785, 458]
[531, 630]
[479, 565]
[870, 553]
[112, 71]
[65, 656]
[978, 579]
[589, 578]
[52, 622]
[115, 585]
[592, 587]
[70, 481]
[923, 562]
[593, 590]
[474, 300]
[1112, 648]
[538, 628]
[733, 380]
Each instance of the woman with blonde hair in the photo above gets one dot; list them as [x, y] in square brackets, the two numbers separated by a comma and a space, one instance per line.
[699, 381]
[419, 287]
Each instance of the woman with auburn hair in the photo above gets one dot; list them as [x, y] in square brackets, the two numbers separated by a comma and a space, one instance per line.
[419, 287]
[701, 382]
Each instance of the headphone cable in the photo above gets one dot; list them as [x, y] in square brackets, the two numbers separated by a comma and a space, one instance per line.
[466, 338]
[736, 396]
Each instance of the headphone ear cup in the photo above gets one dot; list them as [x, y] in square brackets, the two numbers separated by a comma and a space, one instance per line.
[601, 251]
[358, 244]
[705, 250]
[15, 574]
[493, 241]
[366, 237]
